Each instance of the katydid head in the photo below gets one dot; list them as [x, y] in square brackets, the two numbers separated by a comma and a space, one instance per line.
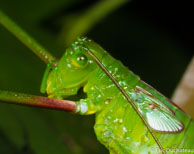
[74, 68]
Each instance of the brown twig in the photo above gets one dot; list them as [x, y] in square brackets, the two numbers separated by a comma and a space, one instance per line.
[184, 93]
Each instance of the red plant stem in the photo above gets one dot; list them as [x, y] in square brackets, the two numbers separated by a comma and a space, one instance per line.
[37, 101]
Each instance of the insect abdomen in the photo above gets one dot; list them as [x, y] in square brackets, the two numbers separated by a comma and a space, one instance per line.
[178, 140]
[119, 122]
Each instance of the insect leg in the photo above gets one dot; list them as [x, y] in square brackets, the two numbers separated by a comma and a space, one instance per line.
[86, 106]
[45, 77]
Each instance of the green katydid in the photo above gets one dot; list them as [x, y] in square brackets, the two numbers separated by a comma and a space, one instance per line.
[131, 116]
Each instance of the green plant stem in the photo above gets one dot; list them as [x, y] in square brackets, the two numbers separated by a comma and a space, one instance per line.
[11, 26]
[84, 22]
[37, 101]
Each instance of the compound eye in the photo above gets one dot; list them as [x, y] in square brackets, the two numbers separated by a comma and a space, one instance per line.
[80, 60]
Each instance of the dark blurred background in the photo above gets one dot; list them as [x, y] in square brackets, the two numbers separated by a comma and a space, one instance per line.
[153, 38]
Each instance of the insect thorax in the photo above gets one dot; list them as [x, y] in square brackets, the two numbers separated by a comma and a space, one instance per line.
[101, 89]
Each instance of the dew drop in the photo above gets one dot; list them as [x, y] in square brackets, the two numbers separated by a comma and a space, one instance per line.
[90, 61]
[116, 120]
[124, 129]
[107, 101]
[120, 121]
[99, 96]
[116, 69]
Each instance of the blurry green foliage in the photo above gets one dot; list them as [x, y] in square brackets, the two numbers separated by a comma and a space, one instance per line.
[151, 53]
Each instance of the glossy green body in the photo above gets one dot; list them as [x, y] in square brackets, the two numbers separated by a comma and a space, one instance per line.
[117, 125]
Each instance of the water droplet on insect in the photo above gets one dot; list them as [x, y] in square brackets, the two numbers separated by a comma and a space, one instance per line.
[90, 61]
[107, 101]
[84, 38]
[107, 133]
[120, 121]
[127, 138]
[145, 139]
[116, 69]
[109, 118]
[125, 129]
[116, 120]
